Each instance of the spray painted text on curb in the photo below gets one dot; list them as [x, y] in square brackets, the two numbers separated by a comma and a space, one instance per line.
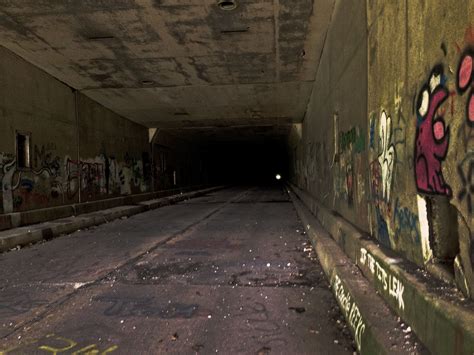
[350, 310]
[389, 282]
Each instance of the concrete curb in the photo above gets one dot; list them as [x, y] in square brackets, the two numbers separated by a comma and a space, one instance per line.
[26, 218]
[442, 319]
[374, 327]
[31, 234]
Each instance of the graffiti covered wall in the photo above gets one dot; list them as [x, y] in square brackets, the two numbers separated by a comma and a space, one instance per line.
[102, 157]
[114, 153]
[329, 150]
[408, 164]
[426, 71]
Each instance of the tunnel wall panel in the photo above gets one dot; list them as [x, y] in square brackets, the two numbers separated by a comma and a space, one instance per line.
[104, 157]
[330, 154]
[177, 162]
[421, 131]
[389, 131]
[115, 157]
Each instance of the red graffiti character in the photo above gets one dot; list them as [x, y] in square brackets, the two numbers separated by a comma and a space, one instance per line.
[465, 80]
[432, 136]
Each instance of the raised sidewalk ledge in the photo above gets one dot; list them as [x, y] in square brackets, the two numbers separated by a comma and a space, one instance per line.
[19, 219]
[441, 317]
[112, 209]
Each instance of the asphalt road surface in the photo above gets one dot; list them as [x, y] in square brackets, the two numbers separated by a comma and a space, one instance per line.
[231, 272]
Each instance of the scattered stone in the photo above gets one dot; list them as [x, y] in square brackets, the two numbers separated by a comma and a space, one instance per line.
[298, 309]
[263, 351]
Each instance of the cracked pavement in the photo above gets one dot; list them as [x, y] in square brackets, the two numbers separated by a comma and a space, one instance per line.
[229, 272]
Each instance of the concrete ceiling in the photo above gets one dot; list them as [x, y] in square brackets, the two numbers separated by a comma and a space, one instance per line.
[177, 63]
[205, 136]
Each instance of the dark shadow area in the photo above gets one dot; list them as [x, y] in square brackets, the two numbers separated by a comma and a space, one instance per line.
[230, 155]
[247, 162]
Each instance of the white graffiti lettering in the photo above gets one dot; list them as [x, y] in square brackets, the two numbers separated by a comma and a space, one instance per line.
[390, 283]
[350, 310]
[387, 155]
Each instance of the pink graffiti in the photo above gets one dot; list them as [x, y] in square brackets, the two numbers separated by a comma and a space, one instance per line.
[465, 71]
[465, 80]
[432, 136]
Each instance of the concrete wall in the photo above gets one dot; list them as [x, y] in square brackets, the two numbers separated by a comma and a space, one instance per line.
[329, 150]
[398, 77]
[95, 155]
[117, 147]
[177, 163]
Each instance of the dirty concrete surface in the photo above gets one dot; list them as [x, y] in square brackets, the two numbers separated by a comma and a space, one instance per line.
[159, 63]
[229, 272]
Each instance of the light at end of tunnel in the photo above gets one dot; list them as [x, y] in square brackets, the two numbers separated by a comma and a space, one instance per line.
[278, 177]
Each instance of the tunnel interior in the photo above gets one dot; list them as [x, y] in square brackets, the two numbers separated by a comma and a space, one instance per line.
[236, 155]
[107, 104]
[255, 162]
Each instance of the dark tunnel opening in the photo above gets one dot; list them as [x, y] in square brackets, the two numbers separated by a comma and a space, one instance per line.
[248, 163]
[237, 156]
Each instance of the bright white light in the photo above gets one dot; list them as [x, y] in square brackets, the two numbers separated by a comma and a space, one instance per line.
[278, 176]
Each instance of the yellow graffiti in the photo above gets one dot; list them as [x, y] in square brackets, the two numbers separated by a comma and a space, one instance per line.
[109, 350]
[88, 350]
[69, 345]
[92, 350]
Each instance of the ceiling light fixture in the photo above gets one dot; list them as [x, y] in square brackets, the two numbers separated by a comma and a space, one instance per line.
[227, 5]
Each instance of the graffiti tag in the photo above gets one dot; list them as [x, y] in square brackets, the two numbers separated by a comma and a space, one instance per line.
[390, 283]
[350, 309]
[432, 135]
